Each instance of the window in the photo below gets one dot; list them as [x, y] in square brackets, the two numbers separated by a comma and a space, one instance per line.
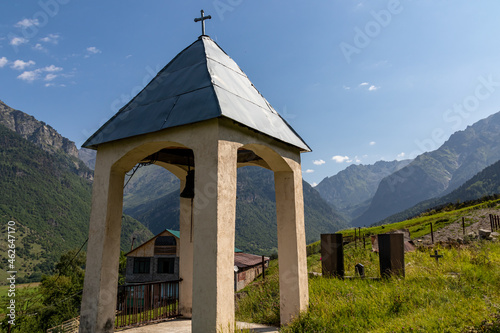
[141, 265]
[166, 265]
[165, 245]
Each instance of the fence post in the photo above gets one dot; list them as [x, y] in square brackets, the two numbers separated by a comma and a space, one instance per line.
[432, 235]
[263, 268]
[463, 224]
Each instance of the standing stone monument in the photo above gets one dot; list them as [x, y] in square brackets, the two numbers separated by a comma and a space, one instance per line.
[332, 255]
[391, 254]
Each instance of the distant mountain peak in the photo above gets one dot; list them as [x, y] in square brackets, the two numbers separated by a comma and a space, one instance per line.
[350, 189]
[36, 131]
[438, 172]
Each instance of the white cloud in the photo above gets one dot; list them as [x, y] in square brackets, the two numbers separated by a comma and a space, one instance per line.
[373, 88]
[31, 76]
[52, 68]
[39, 47]
[341, 159]
[3, 61]
[372, 143]
[50, 77]
[346, 88]
[21, 65]
[51, 38]
[309, 171]
[28, 76]
[18, 41]
[401, 156]
[318, 162]
[26, 23]
[314, 184]
[93, 50]
[128, 56]
[363, 84]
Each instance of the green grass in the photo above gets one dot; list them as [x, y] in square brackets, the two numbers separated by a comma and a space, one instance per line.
[27, 289]
[461, 291]
[420, 226]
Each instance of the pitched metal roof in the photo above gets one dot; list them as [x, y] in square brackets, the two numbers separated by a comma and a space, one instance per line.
[243, 260]
[200, 83]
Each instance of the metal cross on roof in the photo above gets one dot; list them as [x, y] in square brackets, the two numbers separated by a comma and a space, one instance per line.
[202, 19]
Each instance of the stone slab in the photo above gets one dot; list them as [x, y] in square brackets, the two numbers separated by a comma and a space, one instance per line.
[184, 326]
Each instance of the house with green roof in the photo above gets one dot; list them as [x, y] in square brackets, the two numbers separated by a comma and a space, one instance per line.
[157, 260]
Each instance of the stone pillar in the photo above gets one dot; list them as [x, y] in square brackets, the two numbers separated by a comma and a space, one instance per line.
[103, 250]
[185, 257]
[214, 231]
[332, 255]
[292, 258]
[391, 254]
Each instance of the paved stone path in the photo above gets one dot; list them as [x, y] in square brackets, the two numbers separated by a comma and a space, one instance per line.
[184, 326]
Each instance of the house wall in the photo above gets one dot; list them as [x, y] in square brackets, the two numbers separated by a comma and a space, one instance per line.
[245, 276]
[152, 276]
[148, 249]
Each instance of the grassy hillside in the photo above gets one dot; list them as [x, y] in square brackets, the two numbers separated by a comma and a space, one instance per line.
[460, 294]
[50, 203]
[148, 183]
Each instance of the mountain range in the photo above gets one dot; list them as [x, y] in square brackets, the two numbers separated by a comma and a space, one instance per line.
[436, 173]
[46, 183]
[351, 190]
[483, 184]
[151, 195]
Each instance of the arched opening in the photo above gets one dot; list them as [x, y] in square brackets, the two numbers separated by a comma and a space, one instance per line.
[288, 227]
[156, 181]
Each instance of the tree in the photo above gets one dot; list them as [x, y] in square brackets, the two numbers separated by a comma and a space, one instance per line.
[58, 298]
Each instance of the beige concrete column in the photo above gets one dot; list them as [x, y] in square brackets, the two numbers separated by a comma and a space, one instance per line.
[214, 230]
[294, 293]
[103, 249]
[185, 257]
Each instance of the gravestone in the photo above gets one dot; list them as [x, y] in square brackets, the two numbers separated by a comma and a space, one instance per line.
[391, 254]
[332, 255]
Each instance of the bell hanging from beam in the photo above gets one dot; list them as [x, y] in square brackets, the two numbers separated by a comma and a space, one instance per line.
[188, 191]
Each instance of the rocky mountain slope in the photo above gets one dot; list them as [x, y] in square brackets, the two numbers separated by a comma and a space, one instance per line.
[485, 183]
[438, 172]
[35, 131]
[351, 190]
[47, 192]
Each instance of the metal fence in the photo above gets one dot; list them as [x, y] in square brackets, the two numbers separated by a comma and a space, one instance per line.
[495, 222]
[148, 302]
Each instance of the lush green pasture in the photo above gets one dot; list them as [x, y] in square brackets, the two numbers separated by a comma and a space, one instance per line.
[461, 291]
[27, 289]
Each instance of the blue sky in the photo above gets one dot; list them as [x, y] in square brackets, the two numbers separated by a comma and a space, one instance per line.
[360, 81]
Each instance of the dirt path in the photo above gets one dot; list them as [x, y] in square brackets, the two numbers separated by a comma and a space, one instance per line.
[480, 219]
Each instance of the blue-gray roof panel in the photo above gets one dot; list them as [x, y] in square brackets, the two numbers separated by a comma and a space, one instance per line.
[200, 83]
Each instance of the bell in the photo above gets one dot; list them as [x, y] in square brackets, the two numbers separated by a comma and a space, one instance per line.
[188, 191]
